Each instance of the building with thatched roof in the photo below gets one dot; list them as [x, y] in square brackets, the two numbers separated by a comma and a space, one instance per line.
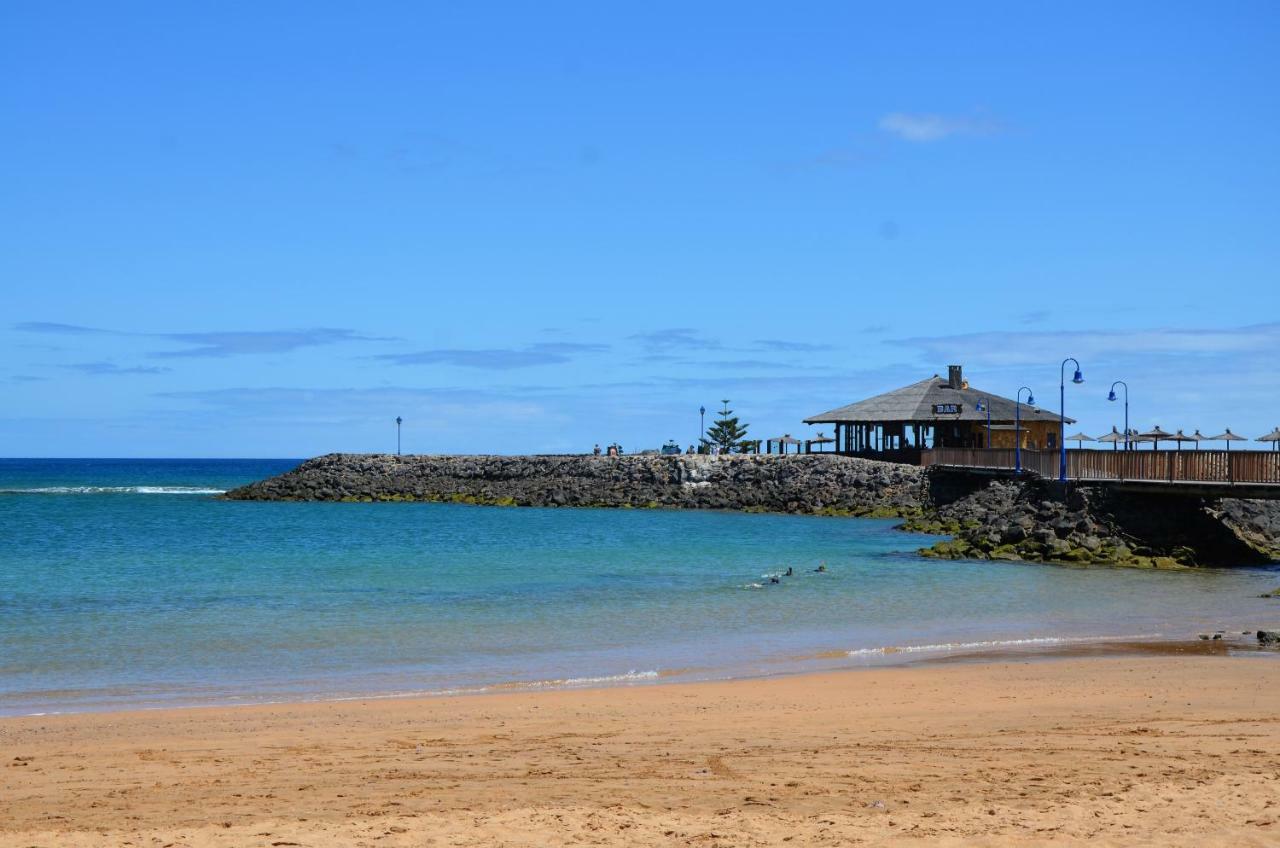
[937, 412]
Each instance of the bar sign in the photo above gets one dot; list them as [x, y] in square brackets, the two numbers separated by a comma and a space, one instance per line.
[948, 408]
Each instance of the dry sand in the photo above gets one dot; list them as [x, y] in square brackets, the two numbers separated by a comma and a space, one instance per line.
[1152, 750]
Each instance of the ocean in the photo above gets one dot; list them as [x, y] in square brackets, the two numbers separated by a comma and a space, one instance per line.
[127, 583]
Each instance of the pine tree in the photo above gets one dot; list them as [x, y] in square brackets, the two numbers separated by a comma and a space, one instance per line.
[726, 431]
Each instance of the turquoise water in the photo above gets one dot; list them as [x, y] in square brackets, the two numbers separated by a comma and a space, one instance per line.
[126, 583]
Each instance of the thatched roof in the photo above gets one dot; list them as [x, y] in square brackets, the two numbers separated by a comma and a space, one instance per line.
[916, 404]
[1273, 436]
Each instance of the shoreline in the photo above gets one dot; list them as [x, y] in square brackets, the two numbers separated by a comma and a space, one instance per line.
[835, 661]
[1165, 749]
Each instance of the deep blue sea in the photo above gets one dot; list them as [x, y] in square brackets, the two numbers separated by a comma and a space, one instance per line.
[126, 583]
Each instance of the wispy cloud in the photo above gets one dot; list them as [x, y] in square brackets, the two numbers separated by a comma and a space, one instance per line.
[27, 378]
[216, 343]
[239, 343]
[1026, 347]
[497, 359]
[784, 346]
[675, 338]
[924, 127]
[110, 369]
[859, 153]
[56, 329]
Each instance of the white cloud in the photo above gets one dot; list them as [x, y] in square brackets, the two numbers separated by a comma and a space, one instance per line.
[923, 127]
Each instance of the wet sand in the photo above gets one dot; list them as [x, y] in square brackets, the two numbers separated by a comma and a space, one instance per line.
[1173, 748]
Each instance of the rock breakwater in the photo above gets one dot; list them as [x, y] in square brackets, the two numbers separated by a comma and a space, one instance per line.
[1042, 521]
[987, 518]
[811, 484]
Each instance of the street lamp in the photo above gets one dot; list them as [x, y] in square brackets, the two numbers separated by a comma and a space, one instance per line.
[1112, 396]
[984, 405]
[398, 420]
[702, 424]
[1077, 378]
[1017, 426]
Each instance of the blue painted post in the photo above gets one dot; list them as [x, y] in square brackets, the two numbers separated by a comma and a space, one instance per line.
[1062, 413]
[1017, 426]
[1112, 396]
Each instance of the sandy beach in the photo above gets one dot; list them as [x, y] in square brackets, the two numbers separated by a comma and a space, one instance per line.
[1133, 750]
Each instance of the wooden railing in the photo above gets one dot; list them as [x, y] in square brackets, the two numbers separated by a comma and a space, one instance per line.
[1190, 466]
[908, 456]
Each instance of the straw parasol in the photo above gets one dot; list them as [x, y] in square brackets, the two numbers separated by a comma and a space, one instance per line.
[1273, 437]
[1115, 437]
[1199, 437]
[1228, 437]
[1180, 437]
[1079, 439]
[1155, 434]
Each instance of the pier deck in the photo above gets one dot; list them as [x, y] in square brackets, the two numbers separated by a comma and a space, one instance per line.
[1197, 473]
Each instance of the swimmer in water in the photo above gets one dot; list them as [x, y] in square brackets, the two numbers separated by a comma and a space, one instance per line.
[790, 572]
[774, 580]
[821, 569]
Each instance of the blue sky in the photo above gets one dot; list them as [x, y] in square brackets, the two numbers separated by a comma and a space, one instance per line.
[267, 229]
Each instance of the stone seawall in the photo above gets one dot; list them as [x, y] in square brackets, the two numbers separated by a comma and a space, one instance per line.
[987, 518]
[1044, 521]
[813, 484]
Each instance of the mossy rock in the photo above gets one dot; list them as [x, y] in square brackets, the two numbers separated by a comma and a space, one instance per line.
[955, 549]
[1006, 553]
[881, 512]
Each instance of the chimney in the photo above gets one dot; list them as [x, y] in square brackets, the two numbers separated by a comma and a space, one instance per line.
[955, 377]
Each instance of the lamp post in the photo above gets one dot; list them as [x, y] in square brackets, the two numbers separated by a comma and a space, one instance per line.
[1077, 378]
[984, 405]
[1112, 396]
[398, 420]
[1017, 427]
[702, 424]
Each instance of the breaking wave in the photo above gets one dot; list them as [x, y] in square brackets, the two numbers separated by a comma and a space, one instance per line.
[889, 650]
[114, 490]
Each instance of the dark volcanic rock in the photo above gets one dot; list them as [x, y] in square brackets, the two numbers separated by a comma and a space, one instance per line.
[827, 485]
[988, 518]
[1037, 520]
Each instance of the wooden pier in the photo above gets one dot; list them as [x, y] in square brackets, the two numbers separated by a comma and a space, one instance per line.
[1205, 473]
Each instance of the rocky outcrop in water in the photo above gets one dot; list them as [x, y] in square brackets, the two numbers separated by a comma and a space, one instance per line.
[813, 484]
[1043, 521]
[987, 518]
